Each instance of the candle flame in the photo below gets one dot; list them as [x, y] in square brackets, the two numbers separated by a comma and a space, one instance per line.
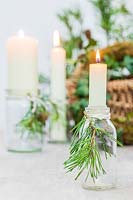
[21, 33]
[56, 38]
[98, 59]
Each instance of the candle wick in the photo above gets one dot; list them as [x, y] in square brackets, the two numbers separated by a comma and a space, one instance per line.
[98, 60]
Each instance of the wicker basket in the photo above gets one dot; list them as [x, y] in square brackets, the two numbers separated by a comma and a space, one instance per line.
[121, 104]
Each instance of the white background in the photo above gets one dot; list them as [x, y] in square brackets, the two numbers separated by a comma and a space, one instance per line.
[37, 18]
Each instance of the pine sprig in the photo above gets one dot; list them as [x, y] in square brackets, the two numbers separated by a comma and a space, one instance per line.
[33, 122]
[85, 152]
[35, 118]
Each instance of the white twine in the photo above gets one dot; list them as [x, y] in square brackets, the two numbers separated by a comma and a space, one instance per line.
[37, 101]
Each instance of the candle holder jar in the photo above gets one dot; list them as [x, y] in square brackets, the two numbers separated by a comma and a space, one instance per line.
[20, 139]
[58, 126]
[100, 116]
[93, 150]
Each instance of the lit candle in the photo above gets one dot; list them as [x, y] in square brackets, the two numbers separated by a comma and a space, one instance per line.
[22, 54]
[97, 83]
[58, 58]
[58, 88]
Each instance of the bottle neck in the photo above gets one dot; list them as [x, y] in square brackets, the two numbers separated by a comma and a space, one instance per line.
[99, 112]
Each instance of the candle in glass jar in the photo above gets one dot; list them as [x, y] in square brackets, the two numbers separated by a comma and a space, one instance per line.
[97, 82]
[22, 54]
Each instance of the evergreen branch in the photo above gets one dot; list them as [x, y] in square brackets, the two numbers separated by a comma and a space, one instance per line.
[35, 118]
[85, 152]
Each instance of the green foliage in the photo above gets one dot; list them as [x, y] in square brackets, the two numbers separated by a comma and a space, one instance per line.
[111, 62]
[77, 108]
[36, 116]
[82, 92]
[115, 67]
[75, 40]
[70, 67]
[120, 135]
[108, 96]
[109, 13]
[82, 87]
[128, 63]
[33, 121]
[67, 15]
[85, 152]
[130, 116]
[43, 79]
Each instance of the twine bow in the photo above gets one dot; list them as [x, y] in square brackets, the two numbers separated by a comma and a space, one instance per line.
[36, 101]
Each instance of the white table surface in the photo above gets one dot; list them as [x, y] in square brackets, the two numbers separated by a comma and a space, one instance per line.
[40, 176]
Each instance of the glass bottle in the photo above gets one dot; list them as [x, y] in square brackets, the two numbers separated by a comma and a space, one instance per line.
[58, 126]
[101, 118]
[17, 138]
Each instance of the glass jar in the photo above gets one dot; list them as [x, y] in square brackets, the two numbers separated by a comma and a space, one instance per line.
[19, 139]
[101, 118]
[58, 125]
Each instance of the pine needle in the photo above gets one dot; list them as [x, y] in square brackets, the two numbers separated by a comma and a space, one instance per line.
[85, 151]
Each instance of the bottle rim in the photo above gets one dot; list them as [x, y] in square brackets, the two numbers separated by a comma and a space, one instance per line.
[99, 112]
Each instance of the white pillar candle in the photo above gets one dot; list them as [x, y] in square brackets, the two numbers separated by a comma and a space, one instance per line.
[22, 54]
[97, 83]
[58, 88]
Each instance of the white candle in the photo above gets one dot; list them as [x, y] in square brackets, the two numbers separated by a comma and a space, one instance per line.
[97, 83]
[58, 80]
[58, 88]
[22, 64]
